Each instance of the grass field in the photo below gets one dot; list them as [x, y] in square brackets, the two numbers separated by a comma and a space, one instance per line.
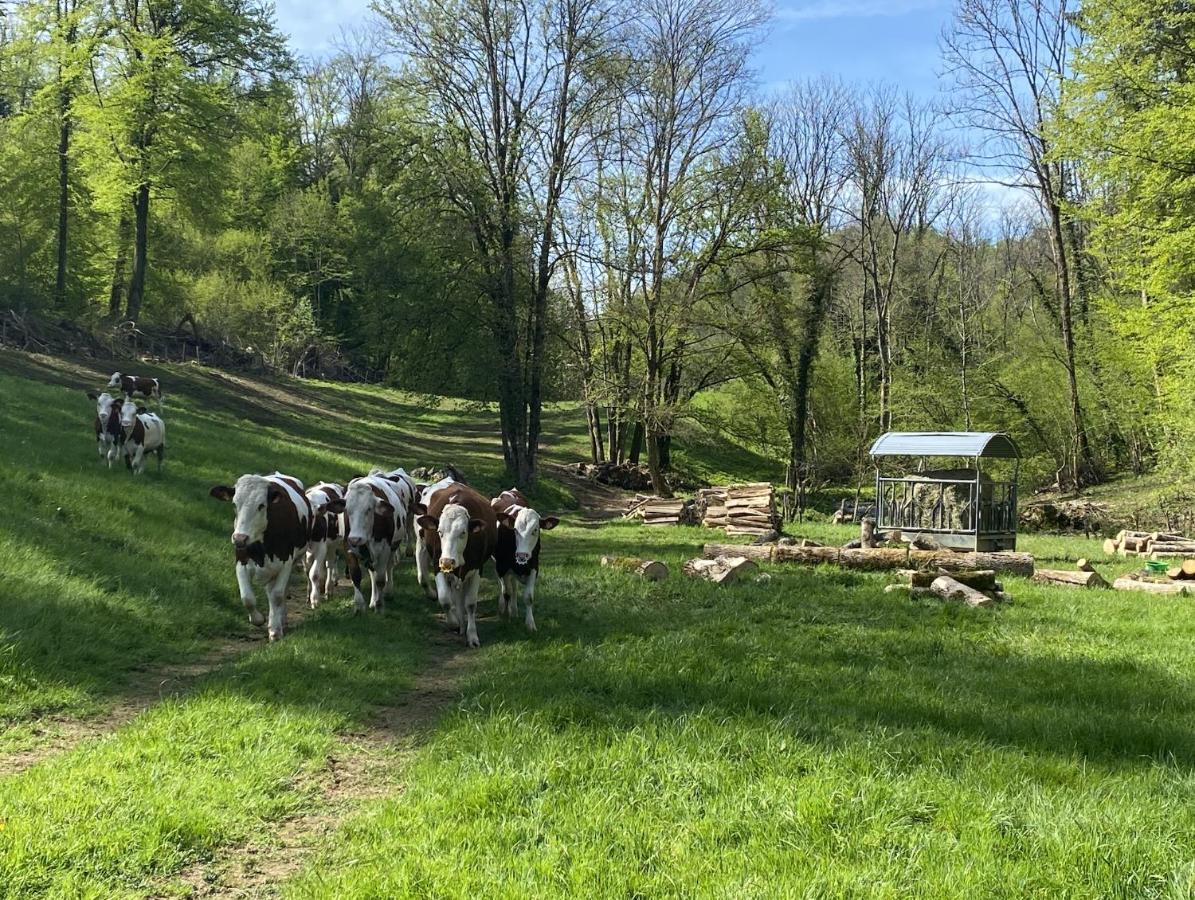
[811, 736]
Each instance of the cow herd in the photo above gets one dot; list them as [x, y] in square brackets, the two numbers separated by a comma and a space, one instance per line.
[125, 427]
[452, 529]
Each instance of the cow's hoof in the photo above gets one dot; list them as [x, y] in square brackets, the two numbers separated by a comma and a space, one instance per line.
[257, 618]
[473, 642]
[275, 635]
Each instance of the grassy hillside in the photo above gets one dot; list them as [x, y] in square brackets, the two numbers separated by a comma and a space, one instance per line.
[811, 736]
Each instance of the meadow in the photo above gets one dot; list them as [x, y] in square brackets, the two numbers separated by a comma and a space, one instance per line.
[806, 737]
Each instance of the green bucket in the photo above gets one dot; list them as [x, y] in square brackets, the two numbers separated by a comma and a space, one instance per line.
[1157, 566]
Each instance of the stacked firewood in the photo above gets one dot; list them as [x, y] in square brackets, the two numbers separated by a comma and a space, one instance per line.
[1154, 545]
[741, 508]
[661, 511]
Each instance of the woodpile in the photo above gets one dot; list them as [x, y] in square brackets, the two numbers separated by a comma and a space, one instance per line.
[722, 569]
[879, 558]
[740, 508]
[848, 511]
[661, 511]
[977, 588]
[650, 569]
[1153, 545]
[623, 475]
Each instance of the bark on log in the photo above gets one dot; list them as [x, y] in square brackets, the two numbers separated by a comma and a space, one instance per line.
[1110, 547]
[651, 569]
[1084, 565]
[880, 558]
[1153, 587]
[722, 570]
[1071, 579]
[951, 589]
[981, 579]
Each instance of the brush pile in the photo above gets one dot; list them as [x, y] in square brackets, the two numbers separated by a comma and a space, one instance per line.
[1151, 545]
[740, 508]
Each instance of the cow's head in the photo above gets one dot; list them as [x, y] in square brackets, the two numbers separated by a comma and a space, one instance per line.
[128, 414]
[252, 497]
[526, 523]
[115, 380]
[454, 527]
[105, 403]
[362, 506]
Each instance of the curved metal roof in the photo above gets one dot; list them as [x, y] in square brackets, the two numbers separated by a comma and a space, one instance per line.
[990, 444]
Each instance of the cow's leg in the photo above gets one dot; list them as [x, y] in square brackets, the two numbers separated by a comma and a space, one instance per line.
[315, 573]
[161, 451]
[276, 591]
[423, 569]
[512, 594]
[446, 595]
[503, 594]
[468, 593]
[529, 598]
[331, 566]
[245, 583]
[138, 460]
[354, 566]
[380, 579]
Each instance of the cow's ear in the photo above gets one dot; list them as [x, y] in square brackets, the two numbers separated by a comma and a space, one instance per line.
[421, 509]
[496, 502]
[273, 495]
[141, 410]
[549, 522]
[385, 508]
[426, 521]
[93, 395]
[336, 507]
[476, 525]
[506, 519]
[222, 492]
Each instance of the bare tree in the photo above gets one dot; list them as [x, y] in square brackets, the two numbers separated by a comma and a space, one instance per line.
[1010, 61]
[507, 85]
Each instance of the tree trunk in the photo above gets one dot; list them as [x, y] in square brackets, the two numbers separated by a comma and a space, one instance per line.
[117, 290]
[64, 196]
[636, 444]
[140, 246]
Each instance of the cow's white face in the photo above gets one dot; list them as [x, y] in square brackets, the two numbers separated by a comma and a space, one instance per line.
[361, 505]
[103, 407]
[251, 498]
[114, 381]
[527, 526]
[454, 528]
[128, 415]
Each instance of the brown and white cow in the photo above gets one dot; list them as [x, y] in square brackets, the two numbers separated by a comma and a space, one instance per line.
[109, 436]
[269, 533]
[147, 387]
[410, 492]
[516, 553]
[460, 529]
[144, 432]
[377, 516]
[425, 563]
[326, 533]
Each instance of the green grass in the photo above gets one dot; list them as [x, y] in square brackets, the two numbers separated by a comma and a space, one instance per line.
[811, 736]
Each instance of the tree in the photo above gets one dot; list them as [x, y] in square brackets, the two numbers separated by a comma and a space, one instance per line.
[1009, 59]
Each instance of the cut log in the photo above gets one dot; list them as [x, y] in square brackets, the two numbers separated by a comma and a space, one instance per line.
[1084, 565]
[1071, 579]
[722, 570]
[981, 579]
[1172, 546]
[951, 589]
[651, 569]
[1153, 587]
[1188, 568]
[1111, 545]
[1003, 563]
[881, 558]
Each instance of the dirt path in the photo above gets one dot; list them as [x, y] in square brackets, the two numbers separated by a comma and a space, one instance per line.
[364, 766]
[57, 734]
[598, 502]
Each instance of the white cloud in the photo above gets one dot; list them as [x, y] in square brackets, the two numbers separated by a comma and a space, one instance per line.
[809, 10]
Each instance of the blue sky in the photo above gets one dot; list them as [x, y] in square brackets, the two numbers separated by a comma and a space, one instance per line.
[859, 40]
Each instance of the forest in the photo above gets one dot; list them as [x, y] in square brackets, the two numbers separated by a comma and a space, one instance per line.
[526, 202]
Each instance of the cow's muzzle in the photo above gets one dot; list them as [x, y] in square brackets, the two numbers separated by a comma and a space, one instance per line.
[356, 541]
[522, 558]
[240, 541]
[447, 565]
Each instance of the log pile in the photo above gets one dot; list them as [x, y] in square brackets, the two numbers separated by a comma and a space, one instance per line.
[1153, 545]
[977, 588]
[848, 511]
[879, 558]
[622, 475]
[740, 508]
[661, 511]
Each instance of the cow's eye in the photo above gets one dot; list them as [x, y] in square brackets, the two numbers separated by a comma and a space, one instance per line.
[261, 506]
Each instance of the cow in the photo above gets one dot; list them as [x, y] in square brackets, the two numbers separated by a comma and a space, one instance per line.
[326, 533]
[460, 530]
[516, 554]
[410, 493]
[149, 388]
[144, 432]
[377, 516]
[109, 436]
[270, 532]
[424, 563]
